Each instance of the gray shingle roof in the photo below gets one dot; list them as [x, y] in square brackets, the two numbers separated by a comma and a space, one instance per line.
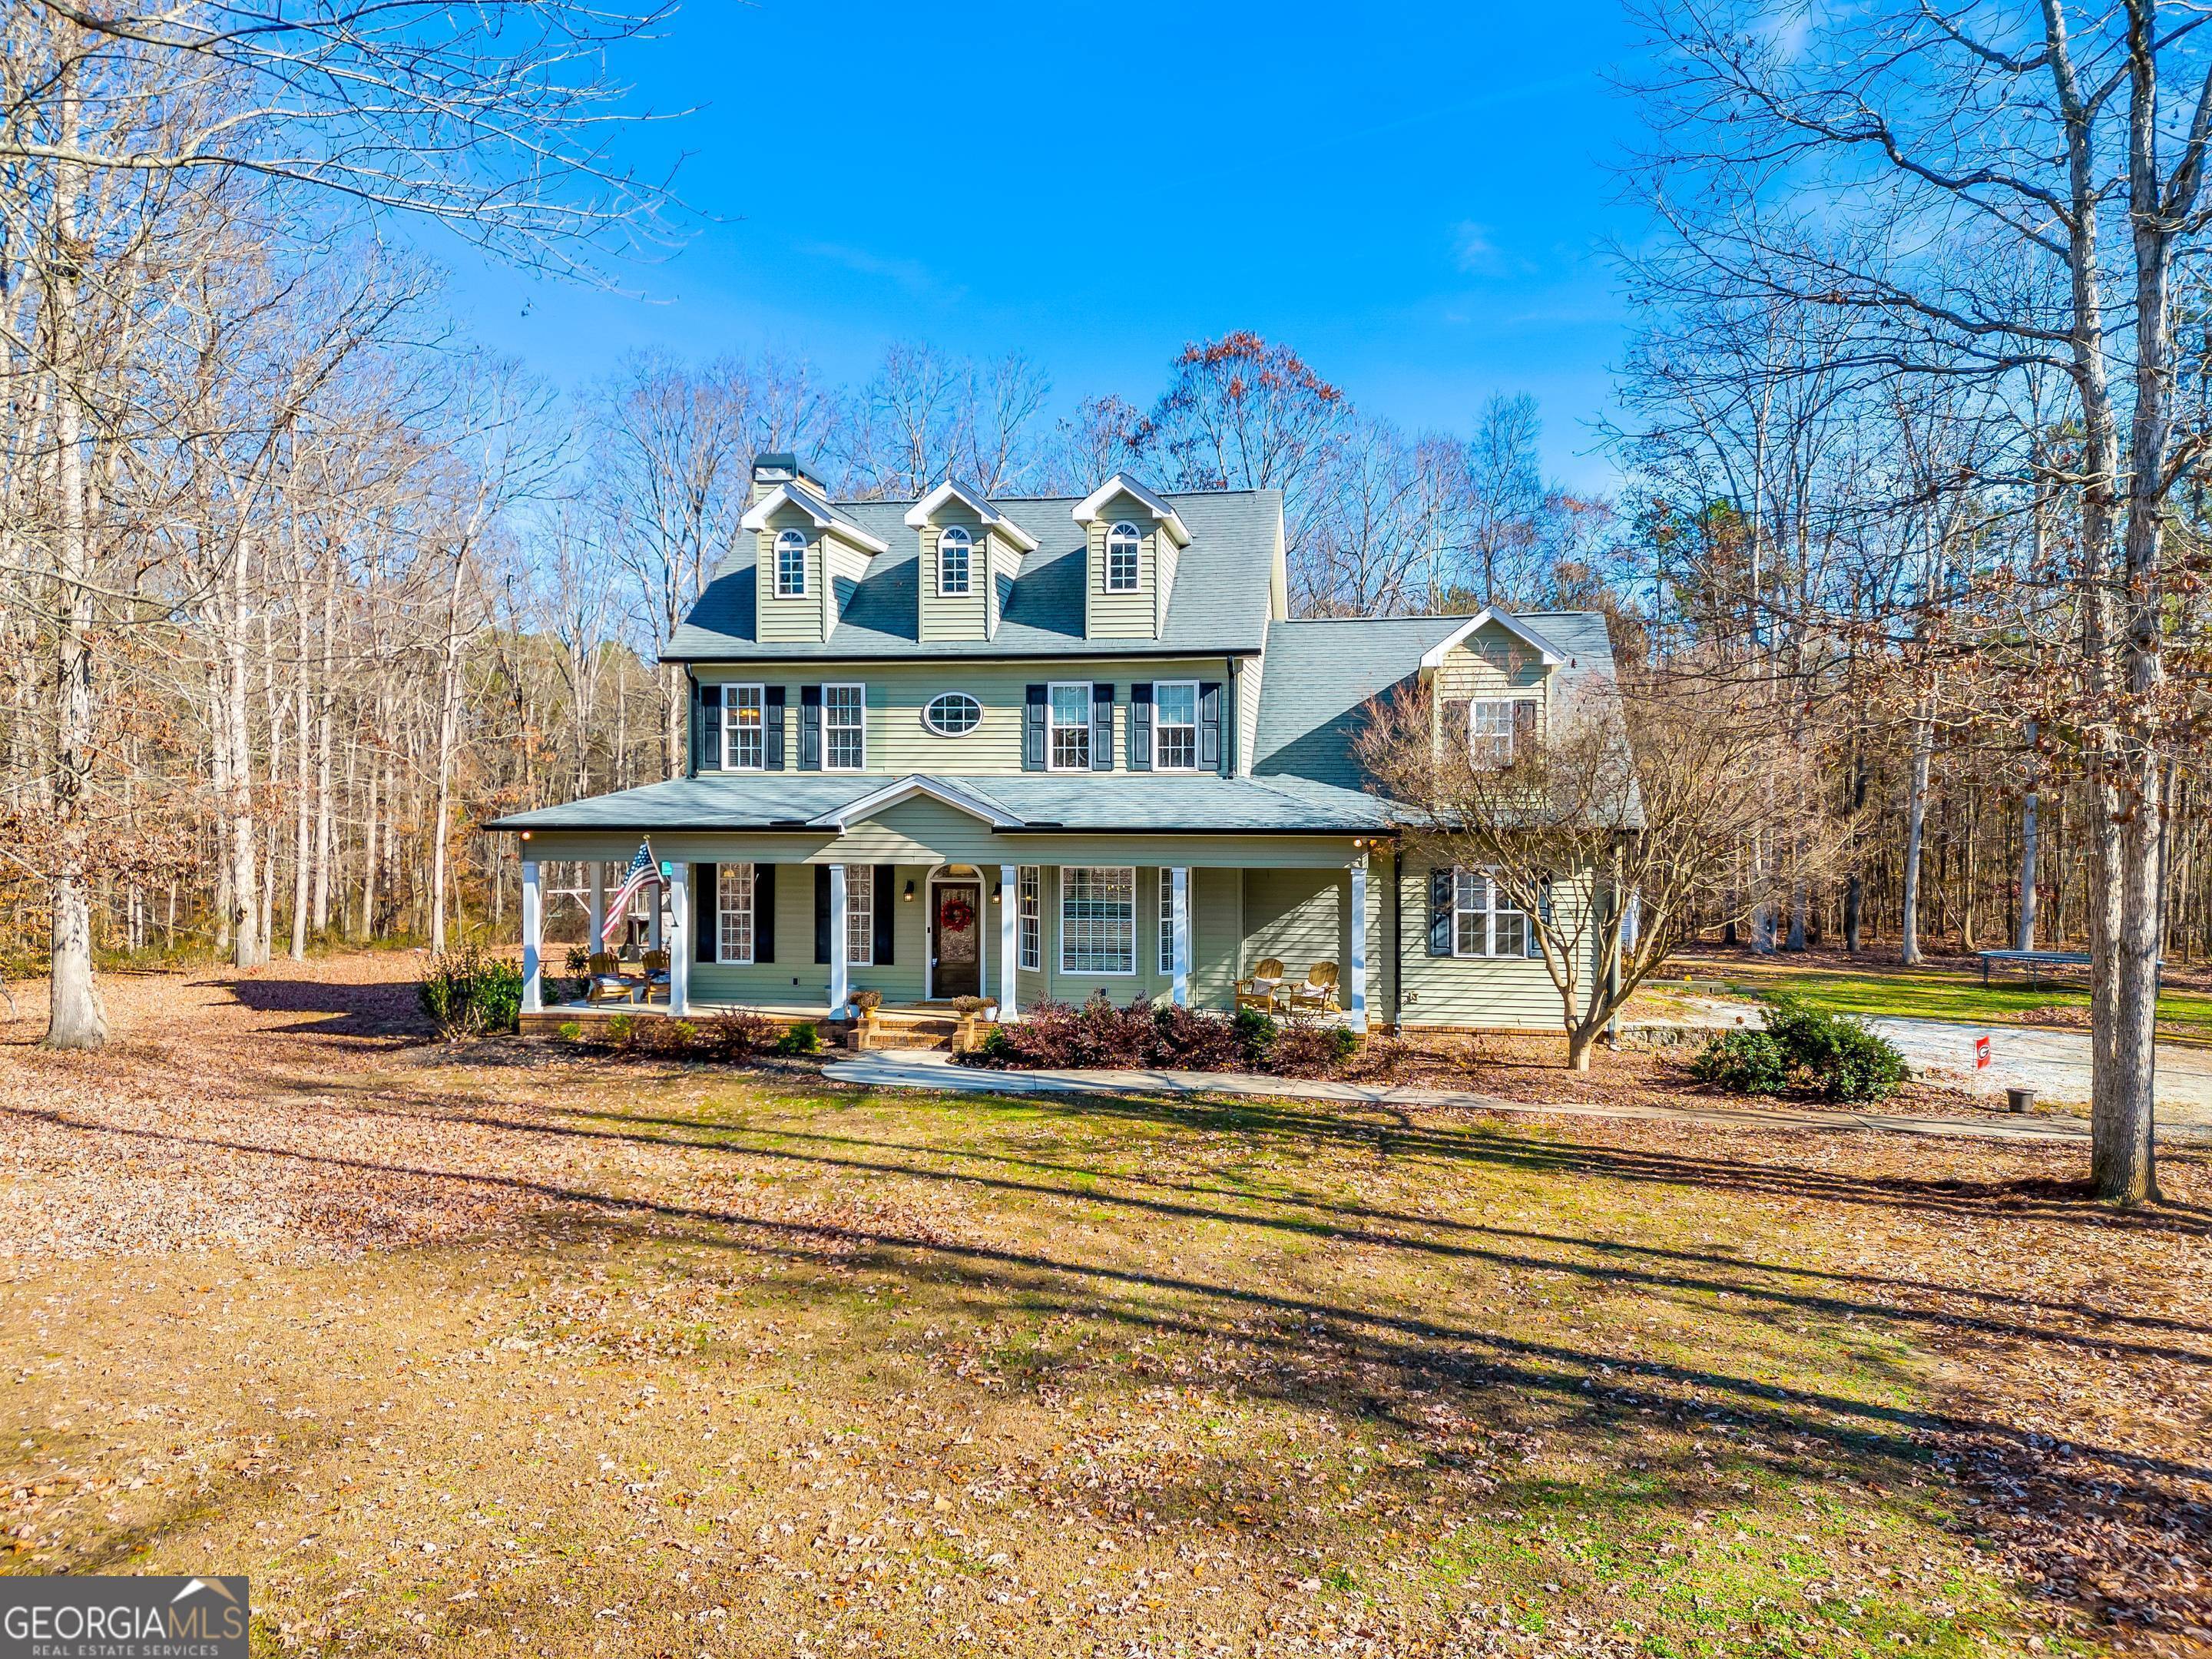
[1042, 801]
[1319, 675]
[1219, 604]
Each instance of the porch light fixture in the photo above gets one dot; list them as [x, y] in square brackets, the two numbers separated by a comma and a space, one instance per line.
[910, 891]
[996, 889]
[526, 835]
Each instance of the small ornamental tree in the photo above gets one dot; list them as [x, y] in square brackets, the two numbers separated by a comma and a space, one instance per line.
[1621, 824]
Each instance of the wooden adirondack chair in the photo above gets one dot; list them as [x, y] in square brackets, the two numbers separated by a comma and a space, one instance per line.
[1318, 994]
[1260, 990]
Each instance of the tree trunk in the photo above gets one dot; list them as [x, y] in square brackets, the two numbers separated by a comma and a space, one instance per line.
[1915, 827]
[2025, 939]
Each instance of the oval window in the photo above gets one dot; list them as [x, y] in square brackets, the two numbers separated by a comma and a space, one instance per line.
[952, 714]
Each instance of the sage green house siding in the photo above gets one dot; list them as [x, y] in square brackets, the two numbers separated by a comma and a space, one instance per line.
[1272, 836]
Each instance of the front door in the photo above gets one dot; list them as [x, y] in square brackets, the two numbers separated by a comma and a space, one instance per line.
[956, 940]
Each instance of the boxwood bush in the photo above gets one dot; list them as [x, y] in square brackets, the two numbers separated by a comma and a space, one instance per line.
[1803, 1047]
[467, 990]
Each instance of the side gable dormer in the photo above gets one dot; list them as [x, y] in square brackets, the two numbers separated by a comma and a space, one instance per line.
[967, 554]
[808, 561]
[1493, 679]
[1133, 539]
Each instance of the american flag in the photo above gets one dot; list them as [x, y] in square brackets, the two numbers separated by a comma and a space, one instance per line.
[642, 869]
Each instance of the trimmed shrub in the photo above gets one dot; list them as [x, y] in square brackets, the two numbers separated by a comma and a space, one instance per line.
[1059, 1036]
[801, 1039]
[1309, 1047]
[468, 991]
[571, 1030]
[667, 1037]
[621, 1031]
[1837, 1053]
[1744, 1062]
[737, 1033]
[1256, 1031]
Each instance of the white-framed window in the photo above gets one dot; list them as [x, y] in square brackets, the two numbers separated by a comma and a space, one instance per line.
[733, 912]
[1175, 725]
[1483, 923]
[845, 728]
[1067, 726]
[1496, 726]
[954, 546]
[1030, 915]
[743, 737]
[1121, 544]
[860, 915]
[791, 564]
[1167, 922]
[953, 714]
[1098, 919]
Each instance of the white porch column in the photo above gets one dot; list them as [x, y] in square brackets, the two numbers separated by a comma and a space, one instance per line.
[679, 941]
[655, 939]
[840, 974]
[1010, 949]
[599, 904]
[1356, 1004]
[1180, 897]
[532, 927]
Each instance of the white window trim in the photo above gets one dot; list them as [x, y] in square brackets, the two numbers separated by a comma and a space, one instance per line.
[967, 567]
[931, 727]
[1489, 951]
[723, 907]
[1050, 764]
[781, 591]
[730, 763]
[1509, 704]
[1137, 565]
[1028, 919]
[859, 686]
[860, 919]
[1067, 870]
[1158, 766]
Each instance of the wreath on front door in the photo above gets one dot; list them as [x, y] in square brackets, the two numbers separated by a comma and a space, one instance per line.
[958, 913]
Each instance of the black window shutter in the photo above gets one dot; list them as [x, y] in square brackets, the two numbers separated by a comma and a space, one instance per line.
[1033, 732]
[1102, 728]
[772, 723]
[1457, 738]
[886, 911]
[1440, 913]
[706, 913]
[764, 913]
[1524, 729]
[1209, 726]
[821, 913]
[698, 742]
[810, 729]
[710, 729]
[1141, 726]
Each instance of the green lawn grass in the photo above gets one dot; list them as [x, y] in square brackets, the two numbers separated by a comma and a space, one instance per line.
[1945, 995]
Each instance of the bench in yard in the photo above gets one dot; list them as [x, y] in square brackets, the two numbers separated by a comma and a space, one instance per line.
[2032, 960]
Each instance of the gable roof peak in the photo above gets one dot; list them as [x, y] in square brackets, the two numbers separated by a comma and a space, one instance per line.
[954, 490]
[1434, 658]
[1091, 508]
[819, 513]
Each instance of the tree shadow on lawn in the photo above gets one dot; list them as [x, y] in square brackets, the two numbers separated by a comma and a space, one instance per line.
[376, 1009]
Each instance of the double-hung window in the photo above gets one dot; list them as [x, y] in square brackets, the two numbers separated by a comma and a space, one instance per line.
[733, 912]
[954, 548]
[1031, 916]
[845, 728]
[791, 564]
[1496, 727]
[1121, 544]
[1068, 747]
[860, 915]
[1485, 922]
[1174, 726]
[1167, 921]
[743, 738]
[1097, 919]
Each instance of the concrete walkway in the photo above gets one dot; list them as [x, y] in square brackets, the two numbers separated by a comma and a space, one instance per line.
[891, 1069]
[2054, 1062]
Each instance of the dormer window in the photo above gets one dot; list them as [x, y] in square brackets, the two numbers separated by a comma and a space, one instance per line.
[791, 564]
[954, 550]
[1121, 558]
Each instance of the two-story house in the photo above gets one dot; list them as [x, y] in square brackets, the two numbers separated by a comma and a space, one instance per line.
[1036, 748]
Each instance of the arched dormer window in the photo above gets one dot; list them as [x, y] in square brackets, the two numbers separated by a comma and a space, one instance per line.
[1121, 545]
[954, 550]
[791, 564]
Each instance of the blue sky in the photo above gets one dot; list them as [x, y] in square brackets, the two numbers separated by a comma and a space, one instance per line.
[1416, 197]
